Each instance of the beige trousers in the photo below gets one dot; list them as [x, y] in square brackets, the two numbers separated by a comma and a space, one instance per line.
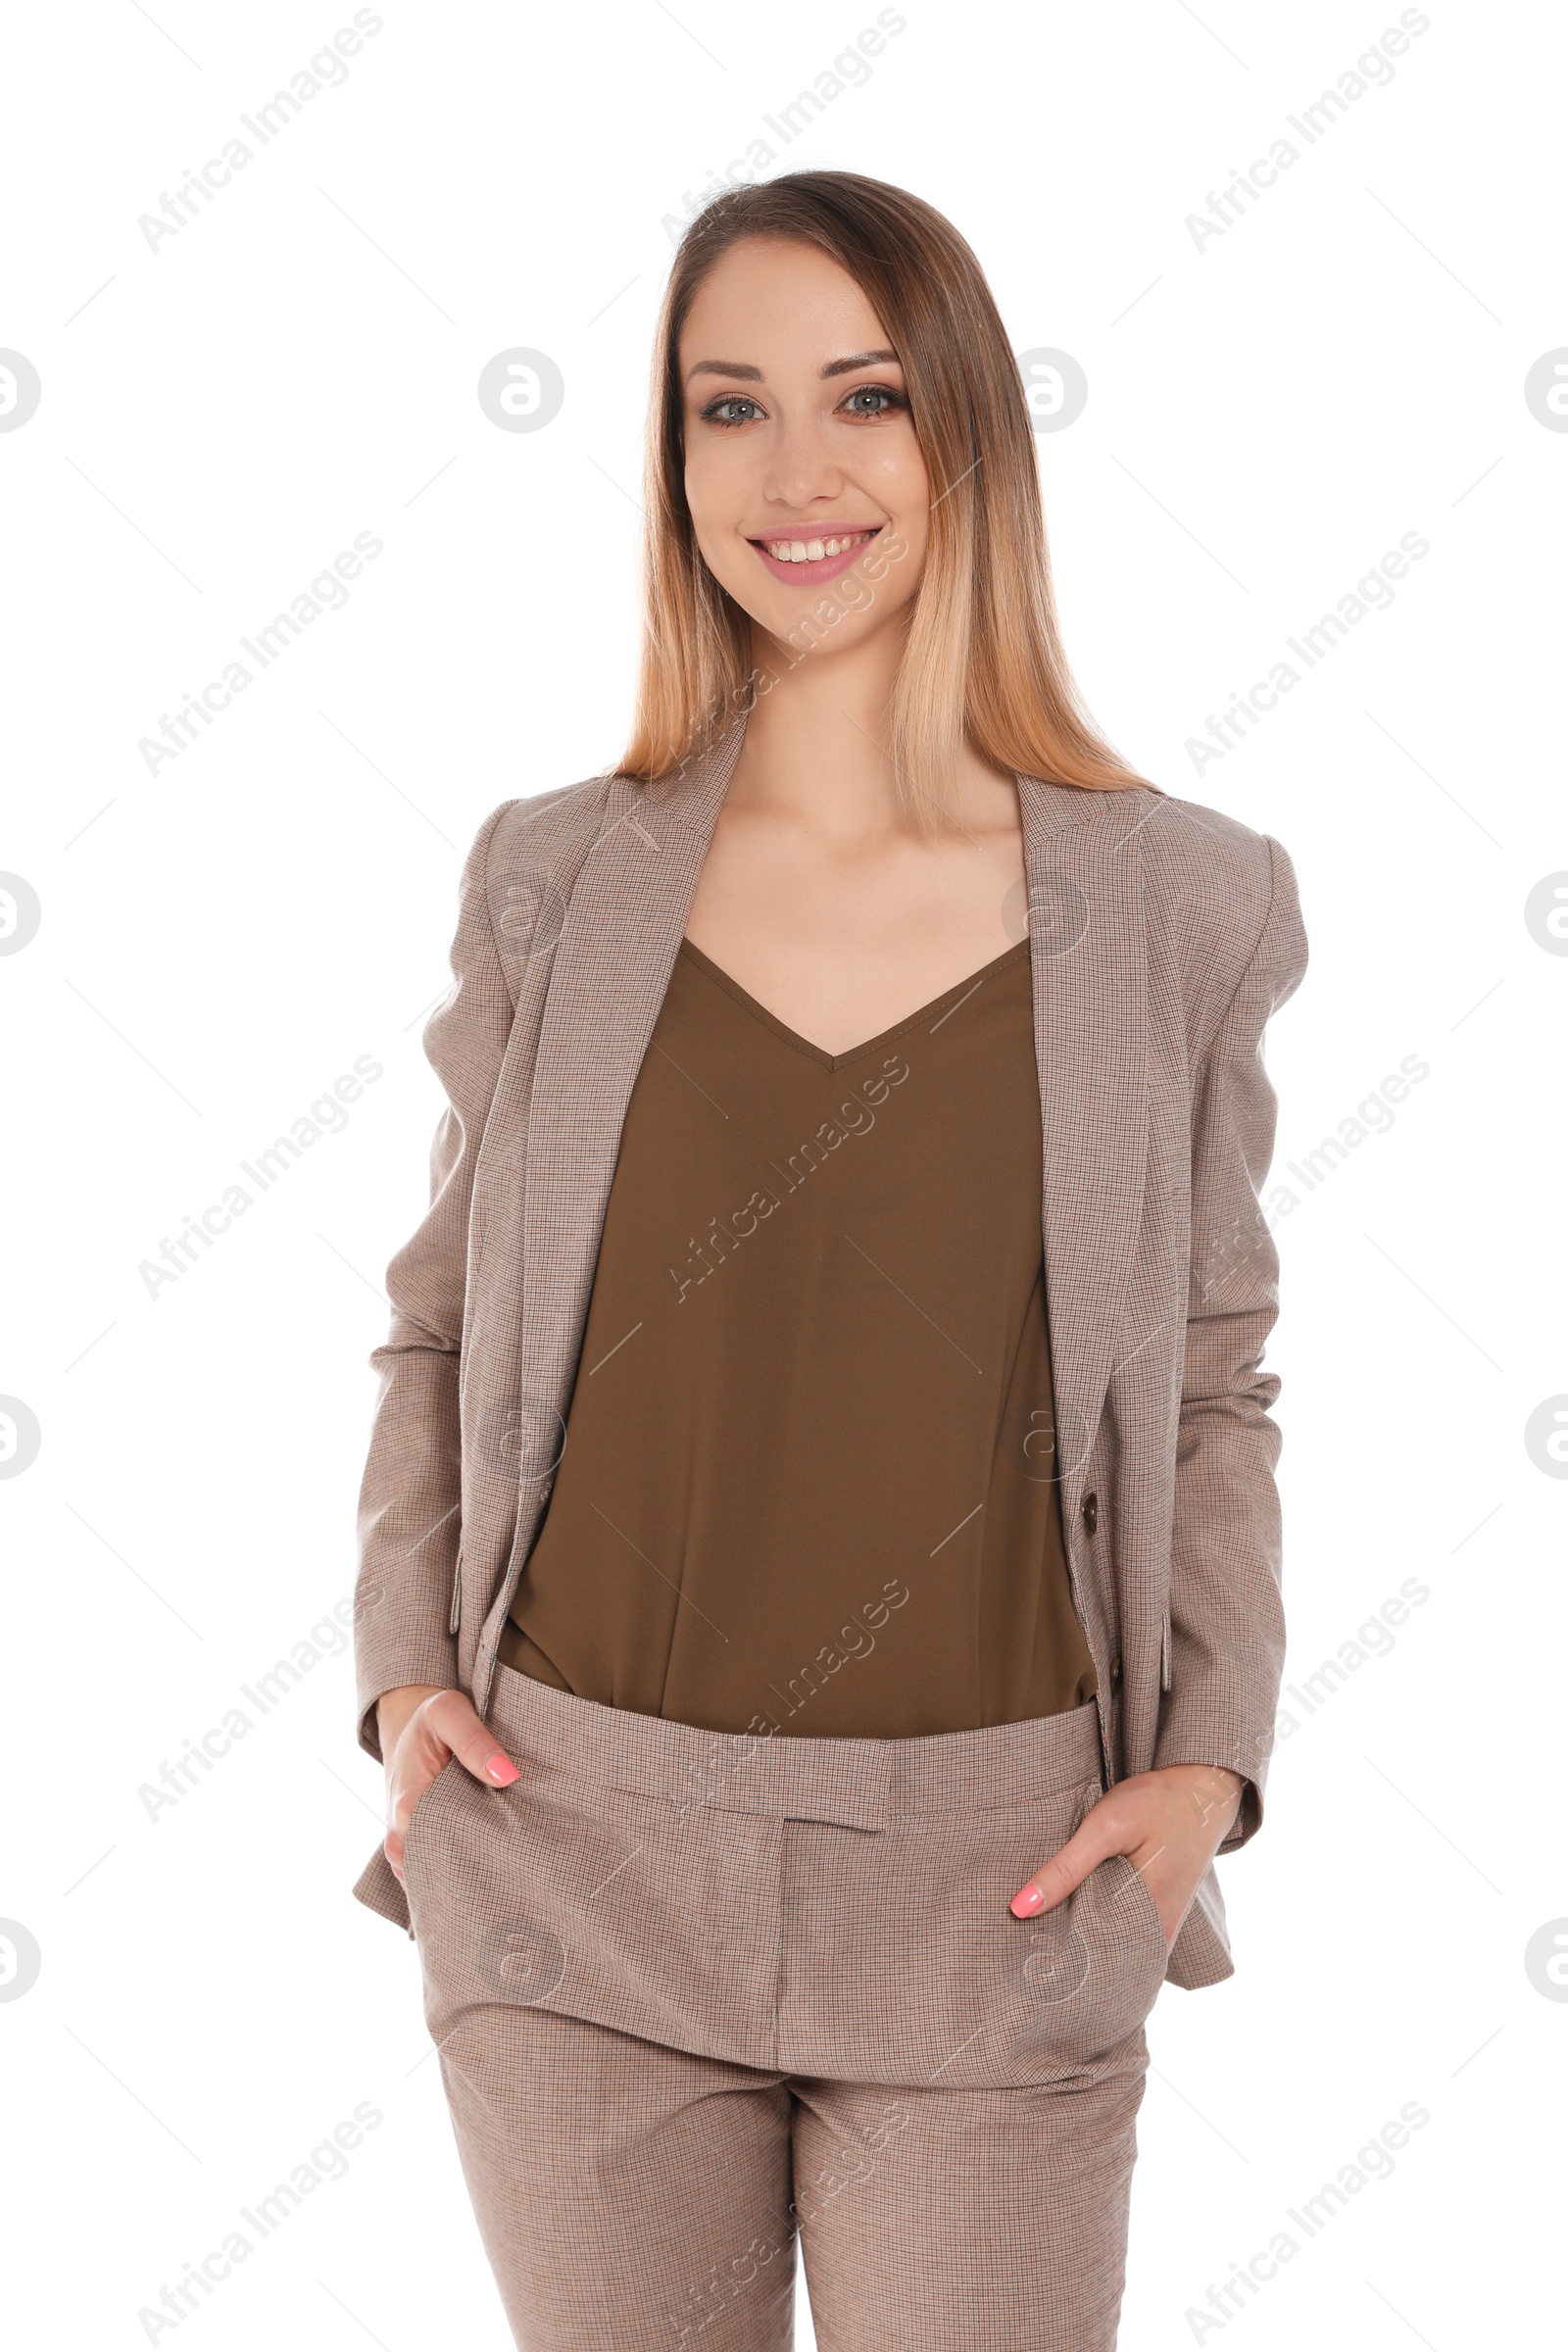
[695, 1993]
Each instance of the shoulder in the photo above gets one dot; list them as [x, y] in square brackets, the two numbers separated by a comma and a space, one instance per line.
[1207, 873]
[547, 828]
[539, 840]
[522, 863]
[1221, 899]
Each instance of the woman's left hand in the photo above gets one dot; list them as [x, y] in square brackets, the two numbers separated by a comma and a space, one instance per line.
[1168, 1824]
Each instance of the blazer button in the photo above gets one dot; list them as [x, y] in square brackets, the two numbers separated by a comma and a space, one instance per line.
[1091, 1510]
[1116, 1674]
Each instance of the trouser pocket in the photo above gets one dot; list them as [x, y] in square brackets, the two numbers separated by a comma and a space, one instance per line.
[657, 1919]
[903, 1963]
[1093, 1970]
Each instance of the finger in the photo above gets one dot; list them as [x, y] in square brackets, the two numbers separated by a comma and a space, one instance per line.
[1069, 1867]
[453, 1719]
[446, 1726]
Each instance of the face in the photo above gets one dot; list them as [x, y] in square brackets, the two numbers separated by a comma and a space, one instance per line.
[807, 487]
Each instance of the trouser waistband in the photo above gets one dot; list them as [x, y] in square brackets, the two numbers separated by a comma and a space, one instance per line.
[862, 1783]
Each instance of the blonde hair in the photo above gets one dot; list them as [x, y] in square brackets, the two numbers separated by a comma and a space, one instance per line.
[983, 663]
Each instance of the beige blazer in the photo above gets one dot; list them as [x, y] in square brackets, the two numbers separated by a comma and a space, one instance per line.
[1162, 936]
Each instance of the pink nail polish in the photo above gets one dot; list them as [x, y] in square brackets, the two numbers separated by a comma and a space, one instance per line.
[502, 1771]
[1026, 1902]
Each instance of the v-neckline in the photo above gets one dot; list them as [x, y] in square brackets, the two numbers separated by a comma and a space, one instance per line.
[818, 1054]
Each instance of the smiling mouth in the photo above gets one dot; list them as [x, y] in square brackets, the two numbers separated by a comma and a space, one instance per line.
[820, 548]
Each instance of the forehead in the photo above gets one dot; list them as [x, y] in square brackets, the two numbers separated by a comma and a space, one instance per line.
[774, 303]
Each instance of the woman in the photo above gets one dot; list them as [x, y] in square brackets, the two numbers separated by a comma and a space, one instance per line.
[819, 1600]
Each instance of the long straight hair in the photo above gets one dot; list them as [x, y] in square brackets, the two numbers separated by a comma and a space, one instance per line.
[982, 665]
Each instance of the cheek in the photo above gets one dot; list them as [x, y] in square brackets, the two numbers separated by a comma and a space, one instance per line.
[902, 579]
[699, 484]
[904, 470]
[719, 482]
[718, 494]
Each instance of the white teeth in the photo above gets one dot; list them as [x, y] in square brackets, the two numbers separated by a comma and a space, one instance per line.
[813, 551]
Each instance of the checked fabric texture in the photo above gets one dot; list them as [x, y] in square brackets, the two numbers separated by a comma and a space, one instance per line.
[1162, 936]
[695, 1993]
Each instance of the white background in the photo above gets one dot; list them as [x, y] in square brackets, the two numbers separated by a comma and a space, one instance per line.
[1267, 414]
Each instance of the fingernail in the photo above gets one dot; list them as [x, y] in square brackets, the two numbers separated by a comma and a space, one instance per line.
[1026, 1902]
[502, 1771]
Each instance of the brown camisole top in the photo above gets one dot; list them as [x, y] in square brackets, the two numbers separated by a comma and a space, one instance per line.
[809, 1479]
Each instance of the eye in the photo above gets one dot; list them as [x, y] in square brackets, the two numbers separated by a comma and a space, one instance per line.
[865, 393]
[714, 412]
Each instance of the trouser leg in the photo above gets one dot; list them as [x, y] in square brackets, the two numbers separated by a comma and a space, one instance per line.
[995, 2219]
[631, 2198]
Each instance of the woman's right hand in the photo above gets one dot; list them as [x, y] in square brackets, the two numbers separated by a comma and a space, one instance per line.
[421, 1727]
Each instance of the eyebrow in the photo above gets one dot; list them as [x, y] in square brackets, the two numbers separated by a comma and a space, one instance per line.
[754, 376]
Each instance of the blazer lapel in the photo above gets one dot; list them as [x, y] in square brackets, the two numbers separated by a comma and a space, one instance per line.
[1086, 956]
[618, 942]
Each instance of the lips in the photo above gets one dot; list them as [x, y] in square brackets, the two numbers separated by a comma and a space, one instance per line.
[847, 539]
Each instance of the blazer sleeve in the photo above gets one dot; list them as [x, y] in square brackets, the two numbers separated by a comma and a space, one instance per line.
[1227, 1627]
[409, 1508]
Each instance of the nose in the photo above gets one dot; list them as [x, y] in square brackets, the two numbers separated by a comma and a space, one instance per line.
[802, 467]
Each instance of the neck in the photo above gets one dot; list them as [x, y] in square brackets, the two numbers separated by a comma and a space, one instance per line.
[813, 747]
